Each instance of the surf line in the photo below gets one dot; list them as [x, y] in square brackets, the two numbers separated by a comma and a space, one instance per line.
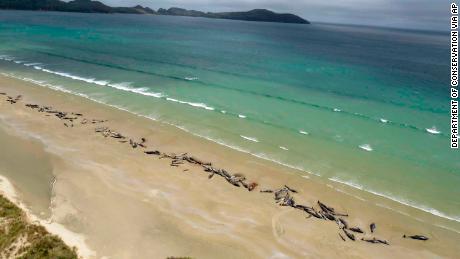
[454, 76]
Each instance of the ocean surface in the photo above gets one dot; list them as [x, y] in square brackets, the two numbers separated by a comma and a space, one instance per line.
[361, 106]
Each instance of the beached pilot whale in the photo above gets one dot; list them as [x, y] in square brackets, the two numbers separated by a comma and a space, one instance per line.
[417, 237]
[375, 241]
[372, 227]
[357, 230]
[349, 234]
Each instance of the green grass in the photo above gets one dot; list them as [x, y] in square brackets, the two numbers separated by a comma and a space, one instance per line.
[38, 243]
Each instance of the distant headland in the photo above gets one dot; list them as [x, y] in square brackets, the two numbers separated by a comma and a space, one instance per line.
[88, 6]
[259, 15]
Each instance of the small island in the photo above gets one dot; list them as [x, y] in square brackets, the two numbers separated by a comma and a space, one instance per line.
[88, 6]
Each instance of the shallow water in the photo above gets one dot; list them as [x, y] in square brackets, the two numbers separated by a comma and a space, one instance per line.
[28, 166]
[350, 104]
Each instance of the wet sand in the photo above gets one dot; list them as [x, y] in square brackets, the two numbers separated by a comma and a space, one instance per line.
[130, 205]
[31, 168]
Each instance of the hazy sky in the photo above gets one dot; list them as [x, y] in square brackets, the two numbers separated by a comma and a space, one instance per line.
[421, 14]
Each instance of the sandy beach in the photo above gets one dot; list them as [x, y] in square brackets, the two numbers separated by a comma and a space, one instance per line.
[118, 202]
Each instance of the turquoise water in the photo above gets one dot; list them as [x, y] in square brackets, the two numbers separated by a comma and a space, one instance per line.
[349, 104]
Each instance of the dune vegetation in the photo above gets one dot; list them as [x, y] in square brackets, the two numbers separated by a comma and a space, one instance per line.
[19, 238]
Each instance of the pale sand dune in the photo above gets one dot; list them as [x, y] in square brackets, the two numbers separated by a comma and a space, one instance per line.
[121, 203]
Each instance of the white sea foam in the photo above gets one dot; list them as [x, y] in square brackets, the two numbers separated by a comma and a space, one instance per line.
[433, 130]
[242, 116]
[349, 183]
[74, 77]
[249, 138]
[120, 86]
[6, 58]
[366, 147]
[224, 112]
[199, 105]
[127, 87]
[43, 83]
[284, 148]
[9, 58]
[191, 78]
[337, 110]
[398, 200]
[32, 64]
[303, 132]
[60, 88]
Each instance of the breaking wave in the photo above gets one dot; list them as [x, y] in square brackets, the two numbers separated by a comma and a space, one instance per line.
[250, 138]
[366, 147]
[127, 87]
[199, 105]
[433, 130]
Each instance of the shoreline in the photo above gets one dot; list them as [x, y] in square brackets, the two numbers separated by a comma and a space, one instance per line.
[306, 174]
[288, 176]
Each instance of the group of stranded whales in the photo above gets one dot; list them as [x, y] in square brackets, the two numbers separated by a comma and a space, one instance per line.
[282, 196]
